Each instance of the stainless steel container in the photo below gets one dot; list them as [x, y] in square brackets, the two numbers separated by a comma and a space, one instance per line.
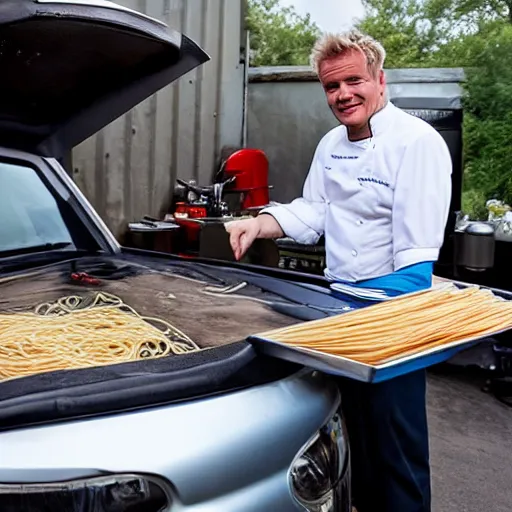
[476, 247]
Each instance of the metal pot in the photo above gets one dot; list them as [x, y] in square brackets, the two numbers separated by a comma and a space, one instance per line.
[476, 247]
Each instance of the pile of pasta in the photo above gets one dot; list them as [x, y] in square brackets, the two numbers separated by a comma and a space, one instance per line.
[403, 326]
[76, 332]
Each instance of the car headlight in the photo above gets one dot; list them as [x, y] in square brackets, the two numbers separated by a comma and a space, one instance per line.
[317, 470]
[116, 493]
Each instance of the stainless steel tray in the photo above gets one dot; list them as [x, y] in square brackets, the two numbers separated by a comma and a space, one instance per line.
[343, 367]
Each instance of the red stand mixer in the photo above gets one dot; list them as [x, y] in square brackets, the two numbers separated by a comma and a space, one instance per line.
[240, 188]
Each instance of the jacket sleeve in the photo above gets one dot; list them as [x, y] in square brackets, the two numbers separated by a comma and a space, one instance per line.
[422, 201]
[304, 218]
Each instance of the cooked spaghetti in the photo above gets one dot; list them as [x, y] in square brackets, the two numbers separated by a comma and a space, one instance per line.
[403, 326]
[74, 332]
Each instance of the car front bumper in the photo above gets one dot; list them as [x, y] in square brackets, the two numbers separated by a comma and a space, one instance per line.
[231, 452]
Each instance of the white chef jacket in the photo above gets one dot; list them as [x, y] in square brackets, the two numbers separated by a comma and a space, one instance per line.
[382, 203]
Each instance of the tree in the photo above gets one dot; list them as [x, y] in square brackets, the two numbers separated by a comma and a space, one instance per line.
[488, 107]
[472, 13]
[278, 35]
[410, 30]
[427, 33]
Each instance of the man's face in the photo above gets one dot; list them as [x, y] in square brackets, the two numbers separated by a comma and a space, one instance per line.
[353, 92]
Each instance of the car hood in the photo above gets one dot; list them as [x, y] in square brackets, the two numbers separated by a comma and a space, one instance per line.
[72, 67]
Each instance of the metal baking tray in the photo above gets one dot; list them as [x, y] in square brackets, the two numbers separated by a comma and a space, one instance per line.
[343, 367]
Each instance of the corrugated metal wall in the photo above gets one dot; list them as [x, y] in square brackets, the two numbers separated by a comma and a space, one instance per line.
[129, 169]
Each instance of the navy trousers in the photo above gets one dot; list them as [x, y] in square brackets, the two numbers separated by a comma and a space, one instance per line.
[388, 434]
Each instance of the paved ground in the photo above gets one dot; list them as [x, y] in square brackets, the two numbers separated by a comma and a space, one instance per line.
[471, 446]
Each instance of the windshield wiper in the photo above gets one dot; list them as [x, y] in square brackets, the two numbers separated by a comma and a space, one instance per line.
[35, 249]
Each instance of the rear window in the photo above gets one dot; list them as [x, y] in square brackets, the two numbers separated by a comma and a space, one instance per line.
[29, 214]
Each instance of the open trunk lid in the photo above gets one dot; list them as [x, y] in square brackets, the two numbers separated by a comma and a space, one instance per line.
[72, 67]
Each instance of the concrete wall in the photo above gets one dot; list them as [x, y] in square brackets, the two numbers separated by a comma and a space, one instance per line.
[129, 169]
[288, 115]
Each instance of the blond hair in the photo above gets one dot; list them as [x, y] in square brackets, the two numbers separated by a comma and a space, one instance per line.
[333, 45]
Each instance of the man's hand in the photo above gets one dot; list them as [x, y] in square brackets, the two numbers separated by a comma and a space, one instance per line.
[242, 233]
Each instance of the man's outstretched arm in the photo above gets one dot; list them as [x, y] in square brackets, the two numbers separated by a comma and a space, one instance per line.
[242, 233]
[303, 219]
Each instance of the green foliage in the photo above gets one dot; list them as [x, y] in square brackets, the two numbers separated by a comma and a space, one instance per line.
[473, 203]
[430, 33]
[467, 16]
[410, 30]
[279, 36]
[488, 125]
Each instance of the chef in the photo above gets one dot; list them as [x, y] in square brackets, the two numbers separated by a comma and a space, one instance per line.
[379, 189]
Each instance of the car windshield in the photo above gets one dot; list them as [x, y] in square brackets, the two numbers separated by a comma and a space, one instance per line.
[30, 216]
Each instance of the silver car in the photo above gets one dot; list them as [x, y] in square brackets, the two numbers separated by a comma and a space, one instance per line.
[222, 429]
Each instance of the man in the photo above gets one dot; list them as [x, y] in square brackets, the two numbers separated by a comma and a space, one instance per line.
[379, 189]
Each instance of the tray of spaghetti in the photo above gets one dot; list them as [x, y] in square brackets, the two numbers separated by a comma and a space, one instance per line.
[395, 337]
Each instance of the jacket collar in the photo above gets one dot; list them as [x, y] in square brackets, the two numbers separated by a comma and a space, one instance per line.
[379, 123]
[382, 119]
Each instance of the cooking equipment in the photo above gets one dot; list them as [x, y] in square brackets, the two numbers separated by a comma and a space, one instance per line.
[248, 169]
[475, 247]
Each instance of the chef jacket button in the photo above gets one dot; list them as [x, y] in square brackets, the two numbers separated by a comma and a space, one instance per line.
[354, 253]
[360, 222]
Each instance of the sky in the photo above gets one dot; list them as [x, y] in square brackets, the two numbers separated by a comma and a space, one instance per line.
[329, 15]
